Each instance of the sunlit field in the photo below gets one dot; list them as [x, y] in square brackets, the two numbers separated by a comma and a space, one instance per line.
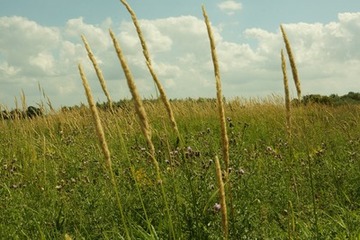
[54, 181]
[207, 168]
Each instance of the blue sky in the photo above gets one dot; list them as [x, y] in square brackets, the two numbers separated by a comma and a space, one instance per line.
[40, 45]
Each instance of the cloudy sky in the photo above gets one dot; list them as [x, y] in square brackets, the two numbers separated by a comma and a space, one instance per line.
[40, 45]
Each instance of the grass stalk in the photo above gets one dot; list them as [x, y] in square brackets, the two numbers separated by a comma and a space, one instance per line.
[291, 224]
[145, 127]
[225, 225]
[132, 170]
[23, 100]
[139, 106]
[99, 129]
[219, 95]
[98, 71]
[101, 136]
[221, 109]
[313, 198]
[292, 63]
[287, 95]
[146, 53]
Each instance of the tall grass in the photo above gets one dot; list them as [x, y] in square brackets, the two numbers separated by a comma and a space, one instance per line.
[146, 53]
[292, 63]
[287, 94]
[104, 146]
[145, 127]
[219, 95]
[98, 71]
[96, 118]
[223, 207]
[53, 185]
[139, 107]
[224, 136]
[53, 180]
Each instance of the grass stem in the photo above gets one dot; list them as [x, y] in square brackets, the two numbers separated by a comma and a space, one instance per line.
[146, 53]
[292, 63]
[98, 72]
[103, 143]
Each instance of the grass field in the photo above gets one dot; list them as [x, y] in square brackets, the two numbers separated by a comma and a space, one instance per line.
[153, 172]
[55, 184]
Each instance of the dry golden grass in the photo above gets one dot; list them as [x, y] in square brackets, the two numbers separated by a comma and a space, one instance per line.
[139, 107]
[103, 143]
[163, 96]
[223, 208]
[23, 100]
[96, 118]
[98, 71]
[287, 94]
[292, 63]
[219, 95]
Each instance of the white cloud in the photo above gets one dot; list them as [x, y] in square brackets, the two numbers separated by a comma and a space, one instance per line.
[96, 35]
[44, 61]
[230, 6]
[7, 71]
[327, 56]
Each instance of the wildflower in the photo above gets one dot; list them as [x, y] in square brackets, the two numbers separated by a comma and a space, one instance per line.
[189, 149]
[217, 207]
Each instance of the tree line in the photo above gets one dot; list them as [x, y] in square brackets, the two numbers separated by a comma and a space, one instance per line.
[332, 99]
[30, 112]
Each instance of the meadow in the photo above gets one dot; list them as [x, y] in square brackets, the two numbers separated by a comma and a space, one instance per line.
[54, 180]
[186, 169]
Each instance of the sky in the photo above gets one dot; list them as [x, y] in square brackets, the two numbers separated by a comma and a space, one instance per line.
[41, 47]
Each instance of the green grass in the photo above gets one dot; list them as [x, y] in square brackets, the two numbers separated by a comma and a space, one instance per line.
[54, 180]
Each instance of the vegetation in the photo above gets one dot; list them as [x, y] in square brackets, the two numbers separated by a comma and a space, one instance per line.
[285, 172]
[54, 180]
[333, 99]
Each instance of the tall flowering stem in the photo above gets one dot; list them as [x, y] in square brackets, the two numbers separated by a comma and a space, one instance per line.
[287, 94]
[223, 208]
[151, 69]
[292, 63]
[145, 127]
[219, 95]
[103, 143]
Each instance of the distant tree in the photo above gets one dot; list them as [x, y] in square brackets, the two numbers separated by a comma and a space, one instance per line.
[332, 99]
[33, 112]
